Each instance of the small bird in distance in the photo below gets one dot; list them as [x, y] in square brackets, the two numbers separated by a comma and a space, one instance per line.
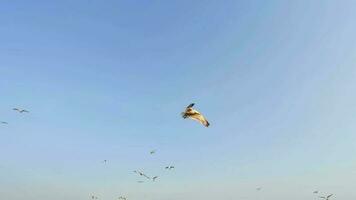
[21, 110]
[327, 197]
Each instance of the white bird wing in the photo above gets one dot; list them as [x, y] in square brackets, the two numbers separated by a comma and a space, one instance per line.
[195, 115]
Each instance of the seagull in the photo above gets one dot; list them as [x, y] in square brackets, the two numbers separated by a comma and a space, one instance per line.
[154, 178]
[142, 174]
[4, 123]
[195, 115]
[20, 110]
[153, 151]
[170, 167]
[122, 198]
[327, 197]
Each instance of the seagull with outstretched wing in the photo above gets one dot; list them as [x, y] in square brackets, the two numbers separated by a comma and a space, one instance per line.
[21, 110]
[195, 115]
[327, 197]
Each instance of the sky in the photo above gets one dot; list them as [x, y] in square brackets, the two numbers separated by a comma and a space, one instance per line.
[107, 80]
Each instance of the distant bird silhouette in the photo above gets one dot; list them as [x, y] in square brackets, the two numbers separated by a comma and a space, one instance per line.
[327, 197]
[4, 123]
[21, 110]
[142, 174]
[153, 151]
[195, 115]
[154, 178]
[122, 198]
[170, 167]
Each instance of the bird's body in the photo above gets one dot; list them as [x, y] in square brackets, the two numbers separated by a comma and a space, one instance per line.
[170, 167]
[195, 115]
[20, 110]
[153, 151]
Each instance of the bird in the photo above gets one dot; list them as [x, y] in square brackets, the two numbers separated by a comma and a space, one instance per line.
[195, 115]
[316, 192]
[21, 110]
[153, 151]
[4, 122]
[154, 178]
[327, 197]
[170, 167]
[122, 198]
[142, 174]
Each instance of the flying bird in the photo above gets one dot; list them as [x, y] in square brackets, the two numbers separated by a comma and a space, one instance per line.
[153, 151]
[154, 178]
[142, 174]
[21, 110]
[122, 198]
[170, 167]
[327, 197]
[194, 115]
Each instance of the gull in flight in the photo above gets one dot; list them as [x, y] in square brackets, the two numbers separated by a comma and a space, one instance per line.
[142, 174]
[20, 110]
[170, 167]
[195, 115]
[154, 178]
[4, 123]
[327, 197]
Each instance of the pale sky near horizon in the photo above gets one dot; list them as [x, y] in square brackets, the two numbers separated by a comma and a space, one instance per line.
[107, 80]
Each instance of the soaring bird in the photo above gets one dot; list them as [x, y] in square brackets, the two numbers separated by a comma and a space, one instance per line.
[21, 110]
[4, 123]
[154, 178]
[170, 167]
[327, 197]
[195, 115]
[142, 174]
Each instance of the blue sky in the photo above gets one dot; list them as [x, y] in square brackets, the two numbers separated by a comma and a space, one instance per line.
[108, 80]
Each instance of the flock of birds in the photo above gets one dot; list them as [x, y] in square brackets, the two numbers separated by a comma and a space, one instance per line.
[189, 113]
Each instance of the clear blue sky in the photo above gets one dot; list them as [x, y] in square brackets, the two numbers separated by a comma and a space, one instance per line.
[108, 80]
